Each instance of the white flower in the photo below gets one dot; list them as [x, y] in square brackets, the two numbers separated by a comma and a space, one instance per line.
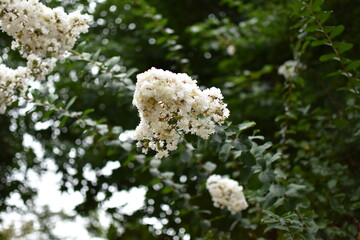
[40, 30]
[290, 68]
[170, 104]
[12, 83]
[40, 67]
[227, 193]
[231, 50]
[42, 35]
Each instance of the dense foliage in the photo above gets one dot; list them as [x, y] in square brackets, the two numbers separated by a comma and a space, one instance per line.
[298, 164]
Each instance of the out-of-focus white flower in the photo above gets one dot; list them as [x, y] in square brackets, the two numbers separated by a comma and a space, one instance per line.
[40, 30]
[227, 193]
[290, 68]
[170, 104]
[231, 49]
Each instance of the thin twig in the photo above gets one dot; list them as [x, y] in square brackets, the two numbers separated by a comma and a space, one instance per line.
[331, 43]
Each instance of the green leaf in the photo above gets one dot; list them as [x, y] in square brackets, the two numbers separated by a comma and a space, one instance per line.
[336, 31]
[245, 174]
[319, 42]
[343, 46]
[311, 28]
[105, 77]
[254, 182]
[268, 200]
[167, 190]
[247, 158]
[225, 151]
[186, 155]
[131, 71]
[87, 111]
[81, 47]
[47, 114]
[246, 125]
[353, 65]
[267, 176]
[96, 55]
[332, 183]
[112, 62]
[294, 189]
[242, 143]
[205, 225]
[277, 190]
[234, 224]
[317, 4]
[323, 16]
[63, 121]
[275, 226]
[70, 103]
[355, 206]
[327, 57]
[60, 104]
[333, 74]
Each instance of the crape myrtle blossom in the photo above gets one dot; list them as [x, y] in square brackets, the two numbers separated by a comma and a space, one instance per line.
[11, 84]
[39, 67]
[171, 104]
[40, 30]
[14, 82]
[226, 193]
[42, 35]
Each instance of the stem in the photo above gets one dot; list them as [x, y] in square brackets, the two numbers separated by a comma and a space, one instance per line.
[301, 220]
[291, 233]
[98, 64]
[331, 43]
[304, 225]
[53, 107]
[75, 115]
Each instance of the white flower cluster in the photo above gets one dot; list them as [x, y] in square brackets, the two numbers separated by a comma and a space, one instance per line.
[227, 193]
[14, 82]
[39, 67]
[11, 83]
[171, 104]
[290, 68]
[42, 35]
[40, 30]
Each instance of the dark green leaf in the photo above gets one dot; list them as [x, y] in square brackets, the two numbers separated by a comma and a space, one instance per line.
[319, 42]
[267, 176]
[317, 4]
[95, 56]
[247, 158]
[70, 103]
[327, 57]
[225, 151]
[277, 190]
[276, 226]
[337, 30]
[343, 46]
[246, 125]
[112, 62]
[47, 114]
[63, 121]
[353, 65]
[323, 16]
